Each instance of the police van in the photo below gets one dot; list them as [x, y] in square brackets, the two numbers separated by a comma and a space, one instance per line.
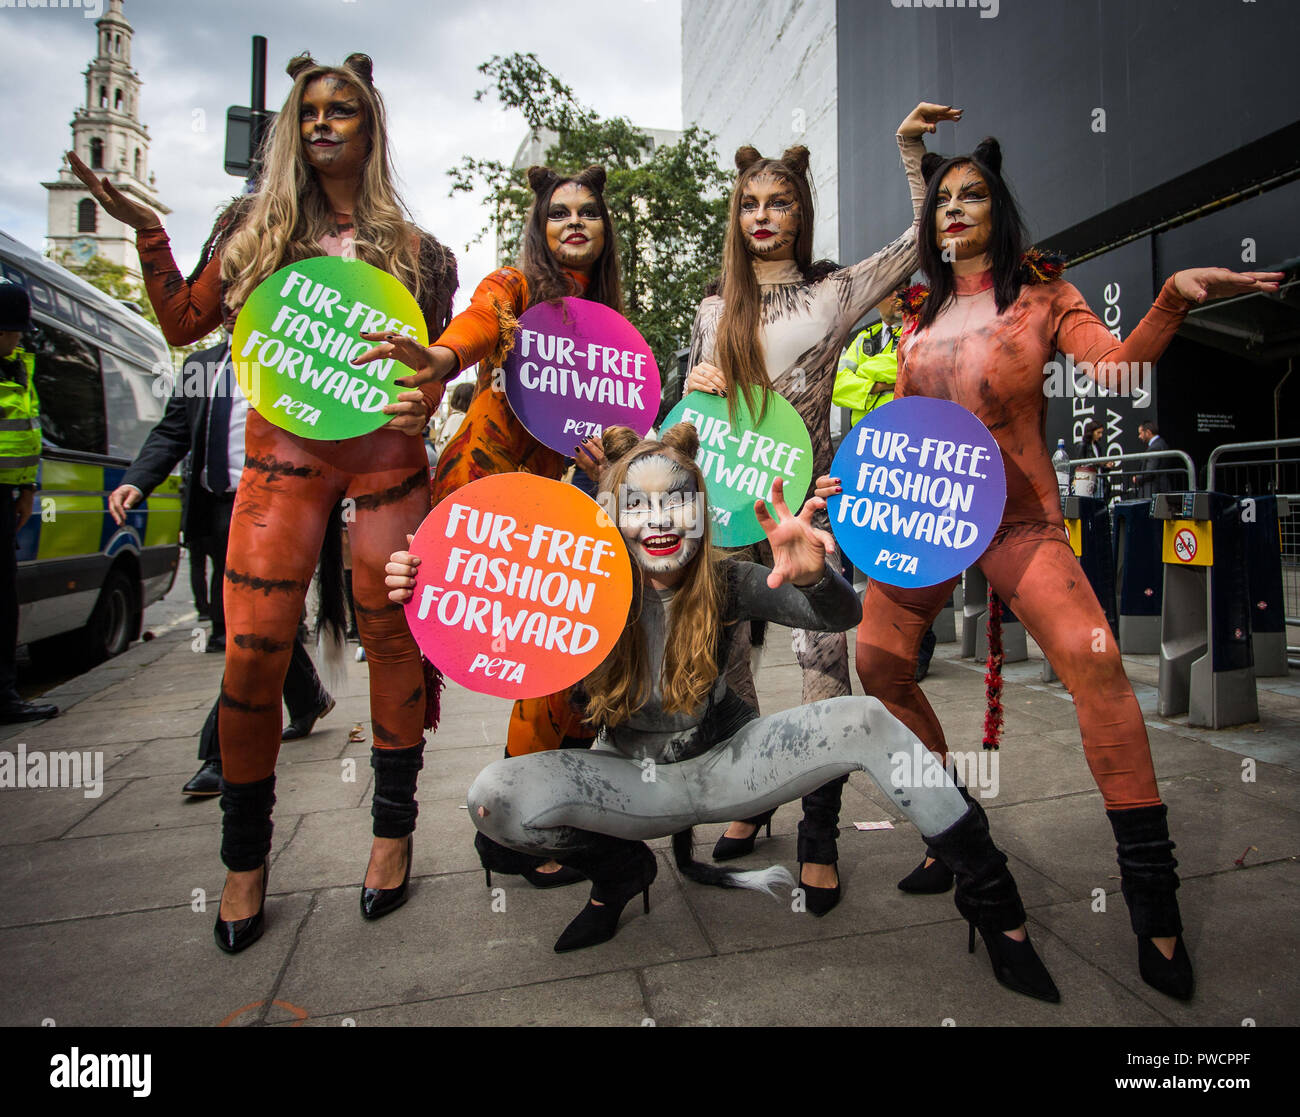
[84, 582]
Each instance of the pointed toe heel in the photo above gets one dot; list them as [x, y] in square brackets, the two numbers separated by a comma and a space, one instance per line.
[727, 849]
[1171, 976]
[234, 935]
[378, 902]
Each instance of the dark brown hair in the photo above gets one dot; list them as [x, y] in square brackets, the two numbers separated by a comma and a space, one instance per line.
[546, 278]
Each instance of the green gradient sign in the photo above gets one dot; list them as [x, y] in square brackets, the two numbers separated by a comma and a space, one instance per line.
[298, 334]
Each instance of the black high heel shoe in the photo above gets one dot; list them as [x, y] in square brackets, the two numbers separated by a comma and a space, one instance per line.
[378, 902]
[495, 857]
[234, 935]
[598, 922]
[820, 900]
[725, 849]
[1016, 964]
[1149, 884]
[929, 880]
[987, 897]
[1171, 976]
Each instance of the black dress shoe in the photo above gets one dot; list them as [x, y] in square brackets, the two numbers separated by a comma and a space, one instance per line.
[557, 879]
[206, 781]
[377, 902]
[216, 644]
[725, 849]
[235, 935]
[17, 710]
[302, 727]
[816, 899]
[928, 879]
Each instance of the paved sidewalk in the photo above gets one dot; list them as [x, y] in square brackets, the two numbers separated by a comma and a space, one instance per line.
[99, 896]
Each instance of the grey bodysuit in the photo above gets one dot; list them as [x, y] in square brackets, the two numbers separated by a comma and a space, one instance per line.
[660, 773]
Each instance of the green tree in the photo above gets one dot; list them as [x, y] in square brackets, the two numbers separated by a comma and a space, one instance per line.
[669, 204]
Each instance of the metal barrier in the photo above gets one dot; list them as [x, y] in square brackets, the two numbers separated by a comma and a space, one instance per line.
[1268, 475]
[1087, 521]
[1186, 467]
[1139, 577]
[1206, 662]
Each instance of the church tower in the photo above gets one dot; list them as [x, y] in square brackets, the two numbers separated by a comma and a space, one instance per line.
[108, 136]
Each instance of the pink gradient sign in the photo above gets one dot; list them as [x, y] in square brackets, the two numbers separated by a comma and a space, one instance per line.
[576, 368]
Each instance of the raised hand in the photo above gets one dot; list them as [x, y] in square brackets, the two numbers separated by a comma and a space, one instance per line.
[1200, 285]
[115, 203]
[799, 550]
[399, 574]
[435, 362]
[705, 377]
[925, 118]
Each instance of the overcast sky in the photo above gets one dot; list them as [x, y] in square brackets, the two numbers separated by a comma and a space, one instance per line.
[622, 57]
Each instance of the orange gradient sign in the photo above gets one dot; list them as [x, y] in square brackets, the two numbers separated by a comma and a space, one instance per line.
[523, 586]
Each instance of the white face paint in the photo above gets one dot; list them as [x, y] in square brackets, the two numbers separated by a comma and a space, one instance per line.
[660, 515]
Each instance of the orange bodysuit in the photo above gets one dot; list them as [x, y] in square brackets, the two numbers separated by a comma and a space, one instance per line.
[492, 440]
[287, 492]
[993, 365]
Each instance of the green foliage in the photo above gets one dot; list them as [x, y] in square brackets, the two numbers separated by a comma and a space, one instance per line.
[669, 205]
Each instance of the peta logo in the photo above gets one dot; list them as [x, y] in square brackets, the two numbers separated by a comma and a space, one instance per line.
[121, 1072]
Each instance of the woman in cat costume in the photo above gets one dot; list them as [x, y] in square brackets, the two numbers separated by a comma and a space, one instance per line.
[662, 702]
[992, 318]
[780, 322]
[331, 137]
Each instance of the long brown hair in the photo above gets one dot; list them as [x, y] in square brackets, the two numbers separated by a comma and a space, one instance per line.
[286, 218]
[738, 351]
[546, 279]
[621, 684]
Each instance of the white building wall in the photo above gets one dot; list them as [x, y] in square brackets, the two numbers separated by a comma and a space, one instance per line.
[763, 72]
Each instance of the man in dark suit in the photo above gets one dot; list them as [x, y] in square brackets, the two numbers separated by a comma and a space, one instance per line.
[1148, 480]
[205, 419]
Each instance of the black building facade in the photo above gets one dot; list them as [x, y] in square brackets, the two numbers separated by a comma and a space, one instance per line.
[1140, 137]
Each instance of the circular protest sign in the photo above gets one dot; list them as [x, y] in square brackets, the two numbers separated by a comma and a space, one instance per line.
[298, 333]
[576, 368]
[923, 491]
[741, 458]
[523, 586]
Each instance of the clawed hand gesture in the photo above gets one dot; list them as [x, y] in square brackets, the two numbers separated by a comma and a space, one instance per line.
[799, 550]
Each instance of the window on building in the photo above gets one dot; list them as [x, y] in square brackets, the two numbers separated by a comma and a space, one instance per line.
[97, 153]
[103, 96]
[117, 100]
[87, 215]
[117, 44]
[139, 163]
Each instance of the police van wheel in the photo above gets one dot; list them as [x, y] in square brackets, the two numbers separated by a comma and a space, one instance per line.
[112, 623]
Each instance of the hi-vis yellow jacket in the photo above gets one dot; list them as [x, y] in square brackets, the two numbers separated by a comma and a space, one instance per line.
[20, 420]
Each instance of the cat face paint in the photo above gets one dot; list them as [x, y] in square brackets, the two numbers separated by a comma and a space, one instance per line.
[332, 123]
[660, 515]
[575, 233]
[769, 217]
[963, 213]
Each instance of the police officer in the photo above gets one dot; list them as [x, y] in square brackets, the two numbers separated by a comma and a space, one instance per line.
[20, 454]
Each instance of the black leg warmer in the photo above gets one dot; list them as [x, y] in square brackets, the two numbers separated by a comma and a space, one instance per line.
[986, 891]
[1146, 866]
[246, 823]
[394, 807]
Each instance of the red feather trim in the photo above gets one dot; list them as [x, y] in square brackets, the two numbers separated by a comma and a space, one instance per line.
[433, 684]
[993, 675]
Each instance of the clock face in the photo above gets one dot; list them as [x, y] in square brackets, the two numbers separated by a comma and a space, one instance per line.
[82, 249]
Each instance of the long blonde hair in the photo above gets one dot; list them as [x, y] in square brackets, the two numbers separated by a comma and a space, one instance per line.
[621, 684]
[284, 221]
